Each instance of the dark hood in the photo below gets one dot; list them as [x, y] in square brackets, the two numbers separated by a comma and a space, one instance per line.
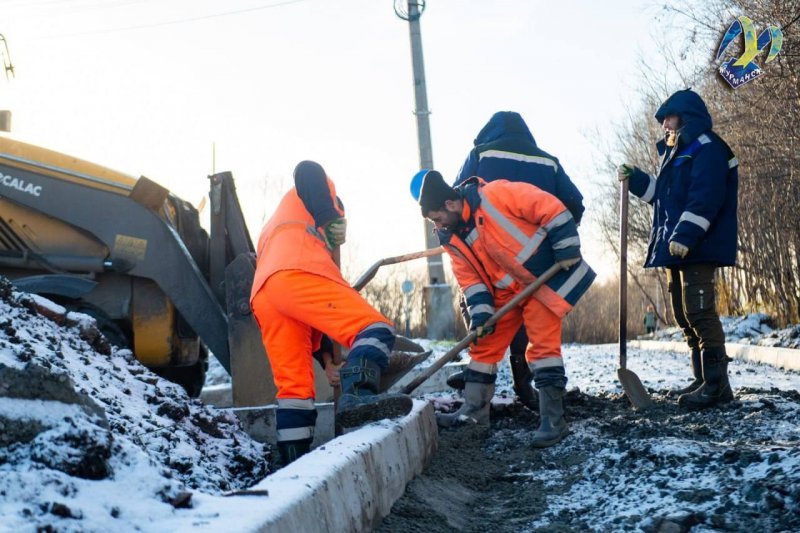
[688, 105]
[504, 124]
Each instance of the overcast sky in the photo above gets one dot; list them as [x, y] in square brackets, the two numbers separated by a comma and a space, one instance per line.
[147, 87]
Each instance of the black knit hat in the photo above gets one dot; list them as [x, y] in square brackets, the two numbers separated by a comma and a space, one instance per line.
[435, 192]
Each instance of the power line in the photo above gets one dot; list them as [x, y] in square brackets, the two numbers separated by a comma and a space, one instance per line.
[783, 28]
[183, 20]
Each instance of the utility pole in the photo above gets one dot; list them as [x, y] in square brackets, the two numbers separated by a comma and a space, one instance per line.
[440, 320]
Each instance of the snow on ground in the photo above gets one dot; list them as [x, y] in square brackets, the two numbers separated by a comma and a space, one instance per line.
[90, 440]
[678, 472]
[115, 448]
[732, 468]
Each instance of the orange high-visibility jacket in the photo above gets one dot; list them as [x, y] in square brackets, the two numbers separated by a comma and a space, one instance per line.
[514, 232]
[293, 239]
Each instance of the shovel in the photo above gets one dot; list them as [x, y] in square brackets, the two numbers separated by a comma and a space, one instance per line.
[466, 341]
[631, 383]
[371, 271]
[407, 353]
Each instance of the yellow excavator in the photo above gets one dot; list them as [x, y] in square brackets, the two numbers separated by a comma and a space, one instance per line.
[126, 251]
[134, 256]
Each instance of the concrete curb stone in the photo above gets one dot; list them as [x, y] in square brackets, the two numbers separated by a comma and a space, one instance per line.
[785, 358]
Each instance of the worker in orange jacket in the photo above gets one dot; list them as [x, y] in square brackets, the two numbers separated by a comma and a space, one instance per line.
[500, 236]
[301, 301]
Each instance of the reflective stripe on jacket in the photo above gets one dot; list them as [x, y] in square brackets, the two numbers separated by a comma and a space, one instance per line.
[505, 149]
[291, 240]
[515, 232]
[694, 197]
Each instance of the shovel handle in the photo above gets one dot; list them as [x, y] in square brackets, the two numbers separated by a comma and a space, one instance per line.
[336, 354]
[623, 274]
[367, 276]
[466, 341]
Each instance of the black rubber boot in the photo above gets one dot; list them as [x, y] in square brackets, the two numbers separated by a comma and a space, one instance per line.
[456, 380]
[716, 388]
[360, 403]
[522, 376]
[291, 450]
[552, 425]
[697, 371]
[478, 394]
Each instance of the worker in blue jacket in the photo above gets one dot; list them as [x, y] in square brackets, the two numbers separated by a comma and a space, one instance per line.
[505, 149]
[694, 199]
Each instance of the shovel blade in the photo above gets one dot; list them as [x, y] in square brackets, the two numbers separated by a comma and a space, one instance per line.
[634, 389]
[400, 364]
[402, 344]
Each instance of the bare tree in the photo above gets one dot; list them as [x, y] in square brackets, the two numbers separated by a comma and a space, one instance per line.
[759, 122]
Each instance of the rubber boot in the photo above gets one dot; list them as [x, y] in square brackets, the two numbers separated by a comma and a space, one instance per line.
[697, 371]
[522, 376]
[292, 450]
[456, 380]
[716, 388]
[478, 394]
[360, 403]
[552, 425]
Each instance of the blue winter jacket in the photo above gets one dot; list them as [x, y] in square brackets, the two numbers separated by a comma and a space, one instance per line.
[505, 149]
[694, 197]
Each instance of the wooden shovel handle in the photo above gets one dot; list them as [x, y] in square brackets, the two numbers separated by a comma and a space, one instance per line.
[466, 341]
[367, 276]
[623, 274]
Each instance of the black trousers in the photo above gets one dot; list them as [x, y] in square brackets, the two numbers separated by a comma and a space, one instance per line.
[694, 303]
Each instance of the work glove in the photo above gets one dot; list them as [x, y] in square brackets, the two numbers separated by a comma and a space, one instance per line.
[678, 249]
[336, 232]
[567, 263]
[481, 332]
[477, 325]
[624, 171]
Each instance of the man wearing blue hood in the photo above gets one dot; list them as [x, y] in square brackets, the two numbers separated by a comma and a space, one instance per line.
[505, 149]
[694, 201]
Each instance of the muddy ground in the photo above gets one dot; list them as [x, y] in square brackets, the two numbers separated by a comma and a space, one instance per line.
[735, 468]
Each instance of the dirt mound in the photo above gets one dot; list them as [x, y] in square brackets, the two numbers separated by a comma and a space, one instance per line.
[735, 468]
[74, 410]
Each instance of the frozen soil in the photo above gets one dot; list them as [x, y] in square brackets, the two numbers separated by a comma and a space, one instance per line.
[734, 468]
[91, 440]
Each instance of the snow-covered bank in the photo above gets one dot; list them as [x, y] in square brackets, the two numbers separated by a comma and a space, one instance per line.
[756, 329]
[94, 441]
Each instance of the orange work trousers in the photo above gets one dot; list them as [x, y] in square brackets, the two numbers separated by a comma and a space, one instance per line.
[289, 307]
[541, 324]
